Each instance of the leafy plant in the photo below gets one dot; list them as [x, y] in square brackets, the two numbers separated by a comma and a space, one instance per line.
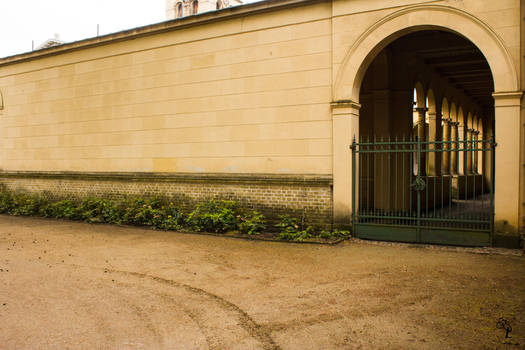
[252, 224]
[6, 201]
[211, 216]
[297, 235]
[26, 204]
[64, 209]
[214, 216]
[291, 230]
[150, 212]
[170, 219]
[93, 209]
[334, 234]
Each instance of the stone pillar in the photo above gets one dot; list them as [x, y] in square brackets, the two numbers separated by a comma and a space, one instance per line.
[446, 146]
[454, 147]
[487, 159]
[434, 134]
[469, 137]
[462, 167]
[345, 126]
[421, 134]
[507, 168]
[477, 146]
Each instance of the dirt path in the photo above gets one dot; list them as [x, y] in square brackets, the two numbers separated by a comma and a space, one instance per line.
[67, 285]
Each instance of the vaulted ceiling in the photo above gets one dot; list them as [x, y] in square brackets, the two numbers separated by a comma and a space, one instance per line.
[455, 59]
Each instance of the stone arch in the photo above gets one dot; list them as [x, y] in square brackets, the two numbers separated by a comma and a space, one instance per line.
[479, 126]
[445, 110]
[454, 112]
[431, 101]
[422, 17]
[420, 103]
[420, 95]
[461, 116]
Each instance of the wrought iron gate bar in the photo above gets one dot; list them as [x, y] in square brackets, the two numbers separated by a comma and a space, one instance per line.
[399, 187]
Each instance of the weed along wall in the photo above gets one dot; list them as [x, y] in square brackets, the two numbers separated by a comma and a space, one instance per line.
[273, 196]
[256, 103]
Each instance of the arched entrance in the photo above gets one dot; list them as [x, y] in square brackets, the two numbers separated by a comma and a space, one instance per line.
[404, 193]
[401, 79]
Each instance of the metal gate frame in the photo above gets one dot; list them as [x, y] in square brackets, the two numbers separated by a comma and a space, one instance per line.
[450, 220]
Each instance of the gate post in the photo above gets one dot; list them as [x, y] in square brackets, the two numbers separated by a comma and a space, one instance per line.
[345, 126]
[507, 177]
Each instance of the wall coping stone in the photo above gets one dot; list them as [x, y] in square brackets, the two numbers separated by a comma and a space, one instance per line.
[235, 178]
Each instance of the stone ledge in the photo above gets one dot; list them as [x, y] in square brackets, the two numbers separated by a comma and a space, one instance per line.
[292, 179]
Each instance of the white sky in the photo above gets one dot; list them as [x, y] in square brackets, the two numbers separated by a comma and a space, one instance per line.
[22, 21]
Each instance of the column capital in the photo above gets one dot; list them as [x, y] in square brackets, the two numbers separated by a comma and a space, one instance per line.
[345, 107]
[435, 115]
[345, 104]
[507, 98]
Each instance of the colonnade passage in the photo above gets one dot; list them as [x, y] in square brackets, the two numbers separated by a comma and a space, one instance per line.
[425, 155]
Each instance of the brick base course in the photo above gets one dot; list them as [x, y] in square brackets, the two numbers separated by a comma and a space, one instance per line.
[273, 195]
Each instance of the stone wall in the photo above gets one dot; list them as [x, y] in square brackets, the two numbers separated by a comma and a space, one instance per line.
[273, 195]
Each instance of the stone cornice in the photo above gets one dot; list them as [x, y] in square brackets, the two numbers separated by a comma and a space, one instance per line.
[291, 179]
[345, 104]
[507, 98]
[507, 94]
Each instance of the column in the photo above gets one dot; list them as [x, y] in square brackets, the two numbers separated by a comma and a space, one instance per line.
[507, 167]
[421, 134]
[462, 166]
[454, 148]
[477, 146]
[345, 126]
[469, 137]
[446, 146]
[434, 134]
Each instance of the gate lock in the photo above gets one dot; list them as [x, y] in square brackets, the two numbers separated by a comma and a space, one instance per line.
[419, 184]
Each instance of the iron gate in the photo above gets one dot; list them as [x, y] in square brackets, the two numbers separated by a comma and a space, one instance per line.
[409, 190]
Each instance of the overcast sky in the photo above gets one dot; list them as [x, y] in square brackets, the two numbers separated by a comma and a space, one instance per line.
[21, 22]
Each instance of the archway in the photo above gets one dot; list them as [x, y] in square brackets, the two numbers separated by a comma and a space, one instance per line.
[368, 50]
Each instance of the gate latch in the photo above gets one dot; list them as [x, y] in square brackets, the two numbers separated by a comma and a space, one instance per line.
[419, 184]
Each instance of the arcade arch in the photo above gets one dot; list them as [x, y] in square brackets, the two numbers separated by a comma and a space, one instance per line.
[450, 108]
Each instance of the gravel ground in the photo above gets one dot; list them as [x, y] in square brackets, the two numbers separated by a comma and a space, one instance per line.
[67, 285]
